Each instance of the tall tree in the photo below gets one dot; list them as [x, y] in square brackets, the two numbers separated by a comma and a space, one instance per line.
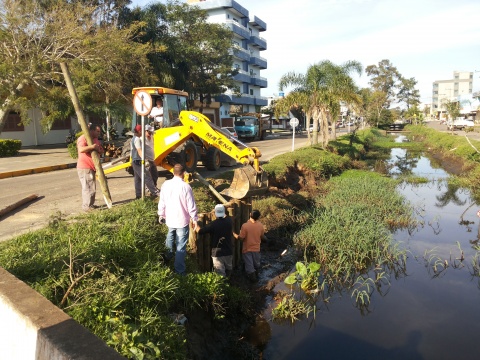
[202, 63]
[187, 52]
[36, 36]
[384, 78]
[407, 93]
[323, 87]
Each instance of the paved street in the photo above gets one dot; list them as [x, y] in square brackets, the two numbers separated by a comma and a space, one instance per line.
[60, 192]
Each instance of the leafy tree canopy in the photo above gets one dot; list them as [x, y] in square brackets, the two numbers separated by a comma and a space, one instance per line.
[37, 35]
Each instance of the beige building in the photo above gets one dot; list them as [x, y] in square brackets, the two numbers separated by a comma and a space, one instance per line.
[248, 45]
[452, 89]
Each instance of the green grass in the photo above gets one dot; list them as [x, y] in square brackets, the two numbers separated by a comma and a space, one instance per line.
[103, 269]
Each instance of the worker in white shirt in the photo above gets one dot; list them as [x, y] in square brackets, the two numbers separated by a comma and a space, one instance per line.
[157, 113]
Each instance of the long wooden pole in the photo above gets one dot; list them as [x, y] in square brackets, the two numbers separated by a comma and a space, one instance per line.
[81, 120]
[19, 203]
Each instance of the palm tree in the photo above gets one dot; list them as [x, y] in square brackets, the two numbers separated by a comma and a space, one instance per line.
[323, 87]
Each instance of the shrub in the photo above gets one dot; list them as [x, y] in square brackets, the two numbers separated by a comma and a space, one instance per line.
[9, 147]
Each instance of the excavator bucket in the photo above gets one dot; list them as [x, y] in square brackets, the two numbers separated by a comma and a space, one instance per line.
[247, 182]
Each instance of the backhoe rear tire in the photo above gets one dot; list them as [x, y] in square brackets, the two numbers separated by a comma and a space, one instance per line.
[190, 157]
[212, 159]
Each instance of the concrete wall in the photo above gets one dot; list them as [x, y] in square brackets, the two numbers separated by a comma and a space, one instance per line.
[31, 327]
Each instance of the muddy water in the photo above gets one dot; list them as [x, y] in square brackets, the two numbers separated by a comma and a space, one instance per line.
[423, 315]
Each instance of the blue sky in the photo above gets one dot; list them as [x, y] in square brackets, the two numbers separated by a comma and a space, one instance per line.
[424, 39]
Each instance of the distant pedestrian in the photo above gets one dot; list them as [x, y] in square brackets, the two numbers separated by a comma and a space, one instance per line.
[85, 166]
[221, 241]
[252, 233]
[137, 158]
[150, 153]
[177, 208]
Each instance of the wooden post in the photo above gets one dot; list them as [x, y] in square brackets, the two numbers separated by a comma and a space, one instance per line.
[207, 246]
[81, 120]
[17, 204]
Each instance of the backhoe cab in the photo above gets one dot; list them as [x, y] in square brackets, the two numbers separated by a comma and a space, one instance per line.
[189, 133]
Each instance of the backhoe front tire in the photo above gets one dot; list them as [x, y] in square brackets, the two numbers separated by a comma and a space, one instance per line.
[190, 157]
[212, 159]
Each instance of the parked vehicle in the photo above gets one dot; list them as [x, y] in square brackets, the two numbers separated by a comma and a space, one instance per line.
[460, 124]
[251, 127]
[230, 131]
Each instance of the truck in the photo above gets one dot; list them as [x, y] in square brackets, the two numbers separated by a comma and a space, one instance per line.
[251, 127]
[460, 124]
[190, 135]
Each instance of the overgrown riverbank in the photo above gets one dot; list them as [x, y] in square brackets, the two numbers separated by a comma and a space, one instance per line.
[104, 269]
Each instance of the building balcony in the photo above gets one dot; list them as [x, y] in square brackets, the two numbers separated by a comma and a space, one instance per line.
[238, 29]
[258, 23]
[259, 42]
[242, 76]
[258, 61]
[240, 53]
[245, 99]
[259, 81]
[231, 5]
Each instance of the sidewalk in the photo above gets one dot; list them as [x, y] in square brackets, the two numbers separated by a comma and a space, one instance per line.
[33, 160]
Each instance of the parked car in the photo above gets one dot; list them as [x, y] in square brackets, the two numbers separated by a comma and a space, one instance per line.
[230, 131]
[460, 124]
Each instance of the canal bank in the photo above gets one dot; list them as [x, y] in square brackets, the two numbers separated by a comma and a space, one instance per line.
[427, 313]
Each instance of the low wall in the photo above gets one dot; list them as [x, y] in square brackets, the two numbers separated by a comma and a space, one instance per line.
[31, 327]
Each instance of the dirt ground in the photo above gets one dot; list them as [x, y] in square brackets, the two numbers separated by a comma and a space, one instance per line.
[245, 336]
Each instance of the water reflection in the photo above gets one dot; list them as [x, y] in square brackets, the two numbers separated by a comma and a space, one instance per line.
[421, 315]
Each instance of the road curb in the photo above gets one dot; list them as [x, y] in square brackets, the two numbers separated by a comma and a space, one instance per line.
[9, 174]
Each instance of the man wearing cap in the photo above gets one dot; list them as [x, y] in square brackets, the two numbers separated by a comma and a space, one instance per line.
[150, 153]
[220, 231]
[137, 158]
[176, 209]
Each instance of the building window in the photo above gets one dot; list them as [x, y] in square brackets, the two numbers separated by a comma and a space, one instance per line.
[228, 16]
[65, 124]
[236, 66]
[251, 91]
[13, 123]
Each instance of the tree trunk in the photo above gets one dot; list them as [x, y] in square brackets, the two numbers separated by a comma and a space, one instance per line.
[81, 120]
[316, 123]
[7, 106]
[324, 128]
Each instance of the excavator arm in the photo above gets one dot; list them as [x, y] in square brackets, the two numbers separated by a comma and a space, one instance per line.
[248, 180]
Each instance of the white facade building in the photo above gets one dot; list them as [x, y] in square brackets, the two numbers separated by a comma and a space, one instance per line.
[452, 89]
[247, 47]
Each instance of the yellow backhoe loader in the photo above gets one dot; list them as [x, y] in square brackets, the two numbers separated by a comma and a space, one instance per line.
[193, 131]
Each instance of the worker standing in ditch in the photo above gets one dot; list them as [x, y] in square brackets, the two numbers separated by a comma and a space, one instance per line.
[137, 158]
[252, 233]
[220, 231]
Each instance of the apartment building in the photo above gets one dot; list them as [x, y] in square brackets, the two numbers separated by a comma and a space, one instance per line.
[460, 85]
[246, 50]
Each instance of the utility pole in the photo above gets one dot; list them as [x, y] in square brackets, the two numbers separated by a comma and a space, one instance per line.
[81, 120]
